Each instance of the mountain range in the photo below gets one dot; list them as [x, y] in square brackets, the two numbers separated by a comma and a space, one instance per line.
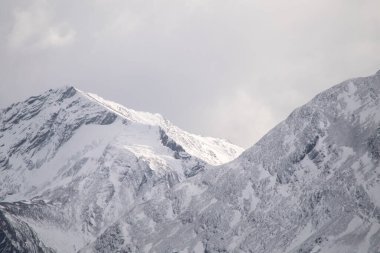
[82, 174]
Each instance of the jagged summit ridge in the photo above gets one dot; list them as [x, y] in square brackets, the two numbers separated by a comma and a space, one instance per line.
[213, 151]
[33, 134]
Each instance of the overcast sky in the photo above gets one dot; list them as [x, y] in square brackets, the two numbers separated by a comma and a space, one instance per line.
[225, 68]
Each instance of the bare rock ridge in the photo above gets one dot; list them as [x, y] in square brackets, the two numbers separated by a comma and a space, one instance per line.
[81, 174]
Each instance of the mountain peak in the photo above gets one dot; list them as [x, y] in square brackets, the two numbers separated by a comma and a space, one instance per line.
[39, 128]
[68, 89]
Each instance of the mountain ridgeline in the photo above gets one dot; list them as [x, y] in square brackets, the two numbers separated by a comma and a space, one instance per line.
[82, 174]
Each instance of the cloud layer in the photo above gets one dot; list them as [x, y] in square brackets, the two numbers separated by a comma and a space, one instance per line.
[230, 69]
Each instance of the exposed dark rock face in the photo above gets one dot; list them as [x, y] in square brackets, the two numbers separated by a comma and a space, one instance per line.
[374, 145]
[179, 152]
[16, 236]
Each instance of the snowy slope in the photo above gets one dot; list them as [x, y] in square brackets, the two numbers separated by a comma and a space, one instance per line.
[312, 184]
[83, 161]
[211, 150]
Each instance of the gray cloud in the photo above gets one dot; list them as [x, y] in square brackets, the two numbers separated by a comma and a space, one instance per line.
[230, 69]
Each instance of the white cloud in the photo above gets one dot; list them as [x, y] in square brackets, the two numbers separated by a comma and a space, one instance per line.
[56, 37]
[34, 28]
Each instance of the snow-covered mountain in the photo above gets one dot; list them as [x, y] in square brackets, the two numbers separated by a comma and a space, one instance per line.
[83, 161]
[114, 180]
[48, 139]
[312, 184]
